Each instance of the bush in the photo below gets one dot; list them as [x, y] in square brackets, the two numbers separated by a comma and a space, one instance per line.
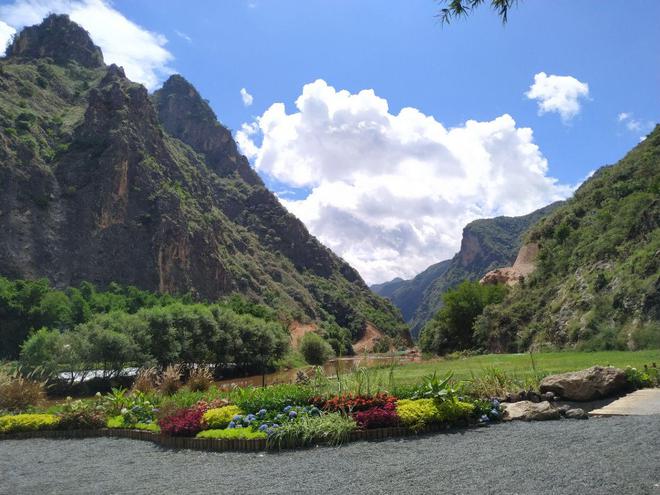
[17, 392]
[182, 422]
[377, 417]
[452, 411]
[330, 428]
[200, 380]
[638, 379]
[274, 398]
[27, 422]
[117, 422]
[417, 414]
[233, 434]
[220, 417]
[315, 350]
[353, 403]
[82, 415]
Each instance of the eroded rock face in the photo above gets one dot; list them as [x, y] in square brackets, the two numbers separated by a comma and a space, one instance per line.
[522, 267]
[593, 383]
[526, 410]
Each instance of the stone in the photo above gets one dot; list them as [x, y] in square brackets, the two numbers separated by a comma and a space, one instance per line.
[576, 413]
[593, 383]
[530, 411]
[563, 409]
[533, 396]
[549, 396]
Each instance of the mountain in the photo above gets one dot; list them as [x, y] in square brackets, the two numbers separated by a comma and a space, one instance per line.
[597, 279]
[102, 182]
[486, 244]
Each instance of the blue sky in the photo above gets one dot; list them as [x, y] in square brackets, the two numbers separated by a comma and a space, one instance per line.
[474, 69]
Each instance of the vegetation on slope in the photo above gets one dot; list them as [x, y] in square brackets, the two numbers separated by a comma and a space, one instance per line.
[107, 184]
[597, 281]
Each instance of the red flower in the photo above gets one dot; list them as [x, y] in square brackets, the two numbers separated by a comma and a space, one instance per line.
[183, 422]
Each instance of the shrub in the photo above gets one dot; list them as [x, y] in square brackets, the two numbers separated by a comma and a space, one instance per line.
[330, 428]
[220, 417]
[353, 403]
[27, 422]
[18, 392]
[134, 408]
[454, 410]
[182, 423]
[117, 422]
[200, 380]
[233, 434]
[273, 398]
[638, 379]
[81, 415]
[377, 417]
[170, 380]
[145, 380]
[315, 349]
[417, 413]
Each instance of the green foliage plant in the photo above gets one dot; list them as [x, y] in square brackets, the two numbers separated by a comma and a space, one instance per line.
[329, 428]
[220, 417]
[315, 349]
[233, 434]
[27, 422]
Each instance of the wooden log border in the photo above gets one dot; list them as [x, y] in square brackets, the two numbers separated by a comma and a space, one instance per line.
[210, 444]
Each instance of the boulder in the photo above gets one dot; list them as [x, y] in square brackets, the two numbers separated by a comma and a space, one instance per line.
[576, 413]
[530, 411]
[593, 383]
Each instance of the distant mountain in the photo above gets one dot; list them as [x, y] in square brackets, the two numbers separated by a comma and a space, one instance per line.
[597, 279]
[486, 244]
[102, 182]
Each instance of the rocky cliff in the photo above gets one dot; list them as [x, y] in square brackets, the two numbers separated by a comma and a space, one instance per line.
[486, 244]
[103, 182]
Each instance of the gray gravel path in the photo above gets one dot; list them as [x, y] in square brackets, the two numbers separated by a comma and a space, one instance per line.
[615, 455]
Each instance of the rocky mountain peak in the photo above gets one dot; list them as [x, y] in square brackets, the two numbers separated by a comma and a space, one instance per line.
[187, 116]
[58, 38]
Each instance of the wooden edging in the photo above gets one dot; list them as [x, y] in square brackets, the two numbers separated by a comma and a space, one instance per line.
[208, 444]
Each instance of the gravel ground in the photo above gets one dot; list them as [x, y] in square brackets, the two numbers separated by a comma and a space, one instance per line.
[616, 455]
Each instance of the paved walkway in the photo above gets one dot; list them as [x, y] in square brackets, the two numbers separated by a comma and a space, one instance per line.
[643, 402]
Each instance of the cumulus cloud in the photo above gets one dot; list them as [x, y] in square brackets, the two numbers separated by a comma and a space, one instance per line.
[391, 193]
[246, 97]
[6, 32]
[140, 52]
[559, 94]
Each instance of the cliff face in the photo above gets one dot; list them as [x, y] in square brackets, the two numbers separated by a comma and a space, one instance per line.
[486, 244]
[103, 182]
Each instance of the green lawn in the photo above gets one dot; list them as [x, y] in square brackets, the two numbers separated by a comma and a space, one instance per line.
[520, 365]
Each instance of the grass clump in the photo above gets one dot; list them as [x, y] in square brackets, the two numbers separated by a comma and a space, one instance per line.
[233, 434]
[330, 428]
[18, 392]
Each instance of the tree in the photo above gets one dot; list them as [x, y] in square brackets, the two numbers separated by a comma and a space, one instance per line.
[315, 350]
[461, 8]
[451, 328]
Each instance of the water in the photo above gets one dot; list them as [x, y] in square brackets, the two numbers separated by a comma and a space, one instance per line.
[343, 365]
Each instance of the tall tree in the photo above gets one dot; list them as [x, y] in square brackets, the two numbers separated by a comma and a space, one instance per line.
[460, 8]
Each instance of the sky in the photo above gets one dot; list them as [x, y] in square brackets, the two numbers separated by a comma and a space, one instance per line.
[384, 131]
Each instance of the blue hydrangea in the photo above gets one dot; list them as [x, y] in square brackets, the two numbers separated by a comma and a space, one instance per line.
[263, 427]
[238, 417]
[261, 413]
[484, 418]
[279, 417]
[231, 425]
[495, 403]
[287, 409]
[494, 413]
[293, 414]
[251, 417]
[314, 411]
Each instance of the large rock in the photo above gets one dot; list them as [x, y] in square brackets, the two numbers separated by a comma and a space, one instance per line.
[530, 411]
[593, 383]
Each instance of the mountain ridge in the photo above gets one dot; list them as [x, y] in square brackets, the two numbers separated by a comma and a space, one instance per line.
[106, 183]
[486, 244]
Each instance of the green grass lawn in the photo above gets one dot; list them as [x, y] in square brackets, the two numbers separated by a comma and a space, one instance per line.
[520, 365]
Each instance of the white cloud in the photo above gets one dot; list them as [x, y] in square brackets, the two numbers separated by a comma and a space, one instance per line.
[183, 36]
[6, 32]
[560, 94]
[633, 124]
[391, 193]
[140, 52]
[246, 97]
